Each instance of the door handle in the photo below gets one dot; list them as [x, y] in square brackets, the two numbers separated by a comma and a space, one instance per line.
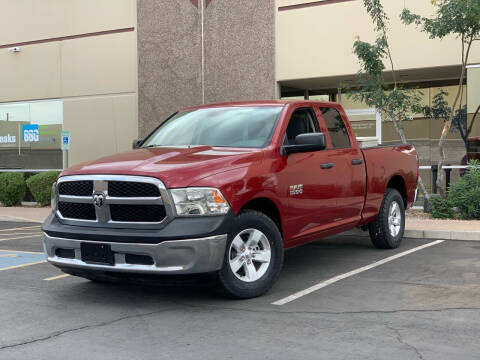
[326, 166]
[357, 162]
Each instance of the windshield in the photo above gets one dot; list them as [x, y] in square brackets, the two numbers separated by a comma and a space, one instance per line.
[221, 126]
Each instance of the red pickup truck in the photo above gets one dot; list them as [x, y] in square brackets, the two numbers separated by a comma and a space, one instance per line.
[225, 189]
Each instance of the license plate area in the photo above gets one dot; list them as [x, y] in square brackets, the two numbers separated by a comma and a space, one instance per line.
[97, 254]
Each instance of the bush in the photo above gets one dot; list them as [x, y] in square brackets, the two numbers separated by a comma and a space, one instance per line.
[463, 197]
[465, 194]
[12, 188]
[40, 185]
[441, 208]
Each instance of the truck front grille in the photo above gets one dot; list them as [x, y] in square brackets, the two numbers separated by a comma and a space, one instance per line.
[76, 188]
[132, 189]
[112, 201]
[77, 210]
[137, 213]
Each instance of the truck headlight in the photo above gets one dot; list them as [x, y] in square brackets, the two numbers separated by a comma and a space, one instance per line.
[199, 201]
[53, 197]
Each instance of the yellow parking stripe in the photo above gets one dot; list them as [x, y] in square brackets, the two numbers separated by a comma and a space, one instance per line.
[23, 265]
[21, 228]
[19, 237]
[22, 233]
[8, 255]
[56, 277]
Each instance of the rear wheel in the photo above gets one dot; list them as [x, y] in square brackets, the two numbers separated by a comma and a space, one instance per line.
[386, 231]
[253, 256]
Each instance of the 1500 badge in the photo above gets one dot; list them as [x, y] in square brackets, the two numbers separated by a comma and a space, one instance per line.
[296, 189]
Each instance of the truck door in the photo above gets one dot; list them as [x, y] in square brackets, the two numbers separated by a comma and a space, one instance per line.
[347, 161]
[310, 190]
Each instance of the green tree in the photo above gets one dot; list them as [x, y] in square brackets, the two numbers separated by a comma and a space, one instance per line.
[459, 18]
[371, 87]
[441, 111]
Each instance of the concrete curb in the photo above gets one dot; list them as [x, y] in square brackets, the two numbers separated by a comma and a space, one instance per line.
[429, 234]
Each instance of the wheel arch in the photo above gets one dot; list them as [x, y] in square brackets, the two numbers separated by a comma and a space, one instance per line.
[267, 207]
[397, 182]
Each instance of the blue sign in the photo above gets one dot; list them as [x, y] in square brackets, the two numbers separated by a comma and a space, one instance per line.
[65, 140]
[30, 133]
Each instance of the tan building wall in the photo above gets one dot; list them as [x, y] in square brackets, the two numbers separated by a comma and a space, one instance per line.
[316, 42]
[83, 52]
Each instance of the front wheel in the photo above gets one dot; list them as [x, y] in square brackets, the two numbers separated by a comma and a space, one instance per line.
[253, 256]
[386, 231]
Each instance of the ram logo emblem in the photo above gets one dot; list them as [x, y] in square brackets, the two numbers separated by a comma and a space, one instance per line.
[296, 189]
[99, 199]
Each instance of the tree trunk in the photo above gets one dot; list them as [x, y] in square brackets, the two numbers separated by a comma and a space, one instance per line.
[400, 132]
[448, 123]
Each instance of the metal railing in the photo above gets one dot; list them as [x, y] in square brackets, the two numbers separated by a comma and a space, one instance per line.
[448, 171]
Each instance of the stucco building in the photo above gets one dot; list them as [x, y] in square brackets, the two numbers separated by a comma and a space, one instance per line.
[111, 70]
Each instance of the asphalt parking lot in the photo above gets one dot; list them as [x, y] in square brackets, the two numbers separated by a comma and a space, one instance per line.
[338, 298]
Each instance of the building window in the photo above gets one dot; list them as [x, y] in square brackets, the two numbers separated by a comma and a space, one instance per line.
[30, 134]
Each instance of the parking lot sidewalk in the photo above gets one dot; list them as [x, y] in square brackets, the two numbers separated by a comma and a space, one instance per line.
[24, 213]
[442, 229]
[418, 228]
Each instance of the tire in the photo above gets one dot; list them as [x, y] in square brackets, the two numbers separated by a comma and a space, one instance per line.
[250, 271]
[386, 231]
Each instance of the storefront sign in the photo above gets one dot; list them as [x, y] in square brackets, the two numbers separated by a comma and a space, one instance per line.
[8, 139]
[30, 133]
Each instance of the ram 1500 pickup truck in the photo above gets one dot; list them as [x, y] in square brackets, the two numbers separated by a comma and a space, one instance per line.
[224, 189]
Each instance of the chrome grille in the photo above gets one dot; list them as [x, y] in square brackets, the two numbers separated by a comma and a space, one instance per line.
[112, 201]
[77, 211]
[76, 188]
[132, 189]
[137, 213]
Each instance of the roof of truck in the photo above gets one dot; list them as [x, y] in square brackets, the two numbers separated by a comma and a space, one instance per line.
[261, 103]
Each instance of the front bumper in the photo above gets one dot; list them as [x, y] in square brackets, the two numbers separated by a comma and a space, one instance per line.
[186, 256]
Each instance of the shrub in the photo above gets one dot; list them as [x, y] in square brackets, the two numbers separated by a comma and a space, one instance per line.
[465, 194]
[463, 197]
[440, 208]
[12, 188]
[40, 185]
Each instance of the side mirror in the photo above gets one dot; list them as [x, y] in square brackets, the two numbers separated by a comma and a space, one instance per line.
[306, 143]
[137, 143]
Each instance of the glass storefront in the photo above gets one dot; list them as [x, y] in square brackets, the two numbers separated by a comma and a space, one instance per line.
[30, 134]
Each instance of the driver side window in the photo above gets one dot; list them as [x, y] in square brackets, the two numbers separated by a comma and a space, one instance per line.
[302, 121]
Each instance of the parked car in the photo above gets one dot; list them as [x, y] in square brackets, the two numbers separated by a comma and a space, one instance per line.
[473, 148]
[226, 189]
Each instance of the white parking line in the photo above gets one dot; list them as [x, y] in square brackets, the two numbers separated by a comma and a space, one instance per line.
[56, 277]
[351, 273]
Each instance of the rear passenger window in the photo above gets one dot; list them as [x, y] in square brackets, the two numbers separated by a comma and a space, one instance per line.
[336, 128]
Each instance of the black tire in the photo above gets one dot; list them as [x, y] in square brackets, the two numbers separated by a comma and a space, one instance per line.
[228, 282]
[380, 233]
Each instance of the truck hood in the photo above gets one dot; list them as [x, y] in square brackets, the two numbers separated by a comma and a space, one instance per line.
[175, 166]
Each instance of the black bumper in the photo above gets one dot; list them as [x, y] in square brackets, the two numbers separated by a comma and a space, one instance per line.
[177, 229]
